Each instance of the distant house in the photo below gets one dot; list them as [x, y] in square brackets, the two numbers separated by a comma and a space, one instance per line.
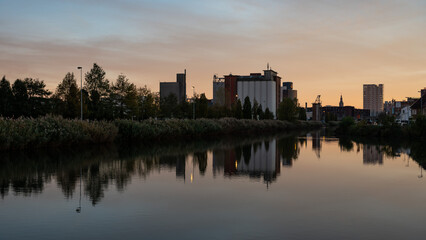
[419, 106]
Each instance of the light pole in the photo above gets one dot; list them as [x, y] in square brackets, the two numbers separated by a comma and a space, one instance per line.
[193, 102]
[81, 91]
[421, 102]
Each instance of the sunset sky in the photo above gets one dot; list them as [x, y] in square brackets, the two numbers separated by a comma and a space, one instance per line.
[323, 47]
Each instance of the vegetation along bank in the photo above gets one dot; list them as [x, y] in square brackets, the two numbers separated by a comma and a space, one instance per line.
[23, 133]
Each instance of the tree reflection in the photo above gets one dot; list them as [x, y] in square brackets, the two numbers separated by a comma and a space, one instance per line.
[27, 173]
[289, 150]
[201, 159]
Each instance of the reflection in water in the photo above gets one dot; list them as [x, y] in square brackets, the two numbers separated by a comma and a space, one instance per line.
[93, 170]
[372, 155]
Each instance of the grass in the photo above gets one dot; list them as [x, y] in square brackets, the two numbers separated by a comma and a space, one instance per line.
[50, 131]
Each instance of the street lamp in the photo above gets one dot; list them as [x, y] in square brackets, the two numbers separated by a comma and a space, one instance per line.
[193, 102]
[81, 91]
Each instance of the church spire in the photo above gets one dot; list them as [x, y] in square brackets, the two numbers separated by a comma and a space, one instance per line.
[341, 101]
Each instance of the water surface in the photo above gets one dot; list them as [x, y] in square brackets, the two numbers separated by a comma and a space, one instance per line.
[285, 187]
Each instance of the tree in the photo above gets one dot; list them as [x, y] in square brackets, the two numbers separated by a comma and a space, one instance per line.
[260, 112]
[255, 109]
[98, 88]
[68, 94]
[247, 114]
[268, 114]
[238, 110]
[302, 114]
[6, 98]
[124, 98]
[36, 88]
[95, 81]
[287, 110]
[147, 102]
[20, 97]
[201, 106]
[168, 106]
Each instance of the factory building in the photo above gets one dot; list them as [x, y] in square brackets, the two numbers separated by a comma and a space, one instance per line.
[177, 88]
[264, 89]
[287, 91]
[218, 90]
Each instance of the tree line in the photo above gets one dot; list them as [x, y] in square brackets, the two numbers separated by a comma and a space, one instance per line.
[121, 99]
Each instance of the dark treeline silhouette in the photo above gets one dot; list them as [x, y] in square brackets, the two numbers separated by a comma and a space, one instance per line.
[105, 100]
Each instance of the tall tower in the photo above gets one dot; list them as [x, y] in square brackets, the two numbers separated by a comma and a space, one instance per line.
[373, 98]
[341, 101]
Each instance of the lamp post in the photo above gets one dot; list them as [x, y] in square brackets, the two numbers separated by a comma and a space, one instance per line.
[81, 91]
[193, 102]
[421, 102]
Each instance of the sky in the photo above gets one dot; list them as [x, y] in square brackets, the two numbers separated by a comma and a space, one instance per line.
[324, 47]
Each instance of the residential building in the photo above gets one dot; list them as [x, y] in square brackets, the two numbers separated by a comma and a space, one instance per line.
[373, 98]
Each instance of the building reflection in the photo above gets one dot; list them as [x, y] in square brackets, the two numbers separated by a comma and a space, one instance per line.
[99, 168]
[258, 160]
[317, 144]
[372, 155]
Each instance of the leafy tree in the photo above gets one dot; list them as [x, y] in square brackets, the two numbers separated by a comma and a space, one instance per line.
[98, 88]
[268, 114]
[247, 108]
[254, 109]
[238, 109]
[385, 120]
[201, 106]
[302, 114]
[168, 106]
[260, 112]
[287, 110]
[95, 81]
[36, 88]
[147, 103]
[20, 97]
[68, 94]
[124, 98]
[6, 98]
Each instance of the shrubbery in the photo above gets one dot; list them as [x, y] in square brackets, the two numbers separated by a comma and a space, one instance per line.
[387, 128]
[53, 131]
[24, 133]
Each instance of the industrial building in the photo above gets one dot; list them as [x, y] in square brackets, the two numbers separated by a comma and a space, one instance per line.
[218, 90]
[177, 88]
[264, 89]
[287, 91]
[319, 112]
[373, 98]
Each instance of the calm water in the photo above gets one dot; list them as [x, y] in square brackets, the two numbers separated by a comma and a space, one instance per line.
[305, 187]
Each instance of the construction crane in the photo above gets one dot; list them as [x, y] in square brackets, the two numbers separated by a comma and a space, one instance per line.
[318, 100]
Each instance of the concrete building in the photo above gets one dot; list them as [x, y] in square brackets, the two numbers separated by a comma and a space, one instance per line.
[287, 91]
[177, 88]
[218, 90]
[373, 98]
[264, 89]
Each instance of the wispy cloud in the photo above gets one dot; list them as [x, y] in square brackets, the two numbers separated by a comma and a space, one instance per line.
[324, 47]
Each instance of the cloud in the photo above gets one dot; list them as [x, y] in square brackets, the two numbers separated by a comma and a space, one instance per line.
[322, 46]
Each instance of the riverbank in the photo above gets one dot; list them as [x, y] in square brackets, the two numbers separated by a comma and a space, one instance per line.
[386, 130]
[27, 133]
